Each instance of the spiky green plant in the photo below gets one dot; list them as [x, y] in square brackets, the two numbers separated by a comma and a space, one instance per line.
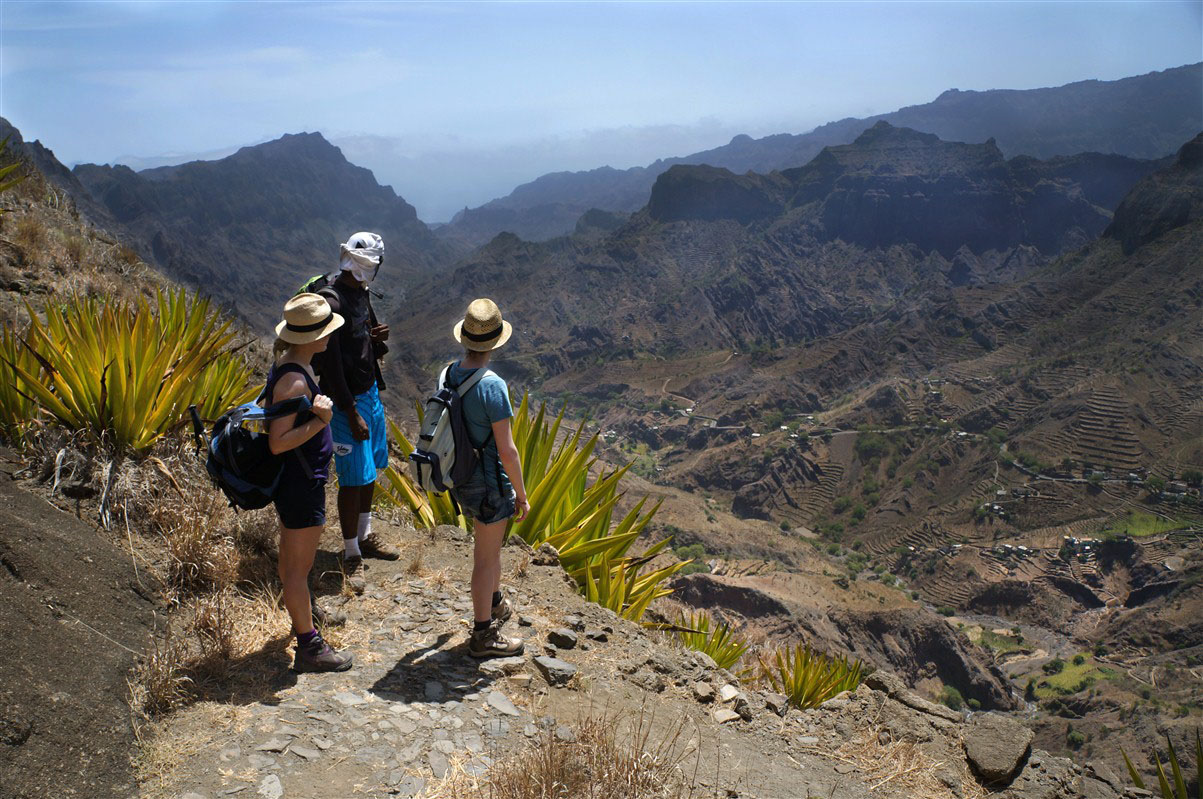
[698, 631]
[17, 410]
[1178, 789]
[127, 372]
[569, 510]
[807, 677]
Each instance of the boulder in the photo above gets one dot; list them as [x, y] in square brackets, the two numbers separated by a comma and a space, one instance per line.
[556, 671]
[996, 747]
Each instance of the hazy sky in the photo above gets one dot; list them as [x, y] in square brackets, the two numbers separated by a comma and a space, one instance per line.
[457, 102]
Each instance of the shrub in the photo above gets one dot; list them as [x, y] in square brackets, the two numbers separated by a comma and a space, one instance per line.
[126, 373]
[1074, 739]
[951, 697]
[841, 504]
[858, 512]
[807, 677]
[1079, 660]
[945, 611]
[700, 633]
[1054, 666]
[567, 512]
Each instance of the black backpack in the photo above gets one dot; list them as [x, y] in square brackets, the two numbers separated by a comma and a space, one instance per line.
[239, 460]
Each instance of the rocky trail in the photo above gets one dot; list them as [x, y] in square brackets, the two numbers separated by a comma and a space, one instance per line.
[416, 708]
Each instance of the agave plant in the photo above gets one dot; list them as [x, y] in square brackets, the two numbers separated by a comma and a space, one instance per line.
[1178, 789]
[17, 410]
[723, 647]
[568, 511]
[126, 372]
[807, 677]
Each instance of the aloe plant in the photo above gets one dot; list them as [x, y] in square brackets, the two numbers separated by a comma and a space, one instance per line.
[723, 646]
[807, 677]
[127, 372]
[568, 511]
[1176, 790]
[17, 410]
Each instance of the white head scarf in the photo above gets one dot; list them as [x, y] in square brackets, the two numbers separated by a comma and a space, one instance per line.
[362, 255]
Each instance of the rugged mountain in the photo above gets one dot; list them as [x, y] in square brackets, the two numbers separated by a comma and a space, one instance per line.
[249, 228]
[719, 260]
[1146, 116]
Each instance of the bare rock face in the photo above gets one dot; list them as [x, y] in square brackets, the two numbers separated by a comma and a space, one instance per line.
[996, 747]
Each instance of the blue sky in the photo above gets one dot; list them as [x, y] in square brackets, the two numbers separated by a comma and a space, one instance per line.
[497, 93]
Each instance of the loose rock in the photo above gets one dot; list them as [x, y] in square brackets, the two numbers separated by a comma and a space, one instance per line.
[556, 671]
[996, 746]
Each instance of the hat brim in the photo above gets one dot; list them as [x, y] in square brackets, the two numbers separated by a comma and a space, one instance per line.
[293, 337]
[482, 346]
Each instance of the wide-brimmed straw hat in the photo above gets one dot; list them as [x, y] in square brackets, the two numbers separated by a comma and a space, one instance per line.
[307, 317]
[483, 329]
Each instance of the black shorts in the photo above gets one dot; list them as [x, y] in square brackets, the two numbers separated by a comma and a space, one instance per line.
[301, 501]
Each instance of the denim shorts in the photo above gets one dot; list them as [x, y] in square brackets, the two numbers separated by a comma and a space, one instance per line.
[482, 498]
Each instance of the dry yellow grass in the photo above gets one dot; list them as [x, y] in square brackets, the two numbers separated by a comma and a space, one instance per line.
[603, 757]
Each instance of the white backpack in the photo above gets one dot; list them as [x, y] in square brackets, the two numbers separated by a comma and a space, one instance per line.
[444, 456]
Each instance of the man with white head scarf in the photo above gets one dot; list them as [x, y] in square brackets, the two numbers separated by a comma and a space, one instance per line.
[351, 377]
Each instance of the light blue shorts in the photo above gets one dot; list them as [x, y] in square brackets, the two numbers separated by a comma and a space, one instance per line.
[357, 462]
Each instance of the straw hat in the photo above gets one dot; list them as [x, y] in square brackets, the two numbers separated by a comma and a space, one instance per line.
[307, 317]
[483, 328]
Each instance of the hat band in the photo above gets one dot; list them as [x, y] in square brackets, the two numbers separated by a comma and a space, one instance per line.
[494, 333]
[309, 328]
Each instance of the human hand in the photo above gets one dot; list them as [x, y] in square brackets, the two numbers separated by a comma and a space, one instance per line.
[359, 428]
[521, 508]
[322, 408]
[379, 333]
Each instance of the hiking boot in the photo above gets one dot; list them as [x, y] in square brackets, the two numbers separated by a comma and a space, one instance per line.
[502, 611]
[353, 574]
[326, 618]
[490, 643]
[373, 547]
[319, 656]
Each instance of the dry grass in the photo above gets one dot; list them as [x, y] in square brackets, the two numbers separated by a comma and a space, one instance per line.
[30, 234]
[160, 684]
[602, 758]
[900, 767]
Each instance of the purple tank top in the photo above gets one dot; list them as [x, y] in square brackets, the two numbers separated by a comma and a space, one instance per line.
[317, 450]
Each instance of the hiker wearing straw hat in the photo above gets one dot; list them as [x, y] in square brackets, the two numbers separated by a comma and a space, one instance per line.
[495, 492]
[305, 441]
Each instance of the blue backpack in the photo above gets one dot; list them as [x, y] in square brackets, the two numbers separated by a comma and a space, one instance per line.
[239, 460]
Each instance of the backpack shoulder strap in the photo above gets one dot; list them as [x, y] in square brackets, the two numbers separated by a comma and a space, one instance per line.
[467, 385]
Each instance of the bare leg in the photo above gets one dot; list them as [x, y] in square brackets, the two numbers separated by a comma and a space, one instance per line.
[365, 499]
[486, 567]
[297, 549]
[348, 510]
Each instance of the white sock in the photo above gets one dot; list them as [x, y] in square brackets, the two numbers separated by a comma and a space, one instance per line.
[365, 525]
[351, 548]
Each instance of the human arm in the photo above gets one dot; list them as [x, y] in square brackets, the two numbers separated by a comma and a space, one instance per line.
[334, 376]
[508, 452]
[281, 435]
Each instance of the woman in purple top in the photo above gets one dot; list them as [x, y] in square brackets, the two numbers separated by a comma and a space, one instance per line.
[304, 441]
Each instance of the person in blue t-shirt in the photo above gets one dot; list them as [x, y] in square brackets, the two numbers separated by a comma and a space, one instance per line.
[495, 492]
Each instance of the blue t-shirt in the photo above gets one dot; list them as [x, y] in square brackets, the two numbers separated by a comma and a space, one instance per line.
[487, 402]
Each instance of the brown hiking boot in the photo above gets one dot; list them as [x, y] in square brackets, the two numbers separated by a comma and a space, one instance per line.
[502, 611]
[490, 643]
[373, 547]
[353, 574]
[319, 656]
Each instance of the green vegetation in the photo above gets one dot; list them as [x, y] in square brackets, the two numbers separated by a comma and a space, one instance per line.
[124, 373]
[699, 632]
[1002, 644]
[1139, 524]
[695, 554]
[871, 445]
[841, 504]
[807, 677]
[951, 697]
[1178, 789]
[1067, 678]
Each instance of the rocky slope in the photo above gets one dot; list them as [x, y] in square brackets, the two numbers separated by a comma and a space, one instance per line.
[248, 229]
[1146, 116]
